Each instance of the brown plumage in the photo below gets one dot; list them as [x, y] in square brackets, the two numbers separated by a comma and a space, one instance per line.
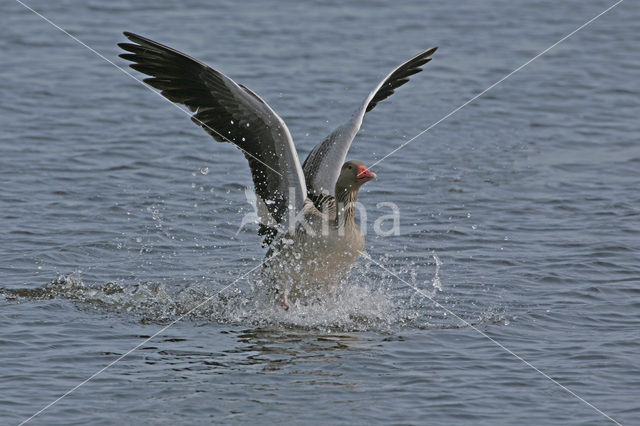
[325, 244]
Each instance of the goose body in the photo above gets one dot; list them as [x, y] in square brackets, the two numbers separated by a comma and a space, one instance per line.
[307, 213]
[315, 257]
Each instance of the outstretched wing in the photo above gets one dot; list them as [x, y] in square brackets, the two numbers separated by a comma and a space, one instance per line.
[322, 166]
[232, 113]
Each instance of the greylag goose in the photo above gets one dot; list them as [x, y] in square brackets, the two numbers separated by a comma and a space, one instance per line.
[307, 213]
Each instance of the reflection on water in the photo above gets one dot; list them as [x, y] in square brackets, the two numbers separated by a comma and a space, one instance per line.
[278, 349]
[262, 350]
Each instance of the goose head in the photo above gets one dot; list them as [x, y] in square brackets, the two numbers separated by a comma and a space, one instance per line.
[353, 175]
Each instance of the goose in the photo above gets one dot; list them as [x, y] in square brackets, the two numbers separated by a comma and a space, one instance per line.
[306, 212]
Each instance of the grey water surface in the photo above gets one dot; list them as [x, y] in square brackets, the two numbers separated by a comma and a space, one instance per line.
[519, 218]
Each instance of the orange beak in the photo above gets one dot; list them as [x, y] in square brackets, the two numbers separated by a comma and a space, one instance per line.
[364, 174]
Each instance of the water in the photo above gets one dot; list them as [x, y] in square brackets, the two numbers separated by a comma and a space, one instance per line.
[119, 217]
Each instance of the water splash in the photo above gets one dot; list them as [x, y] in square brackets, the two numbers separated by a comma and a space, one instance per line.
[436, 284]
[363, 302]
[354, 306]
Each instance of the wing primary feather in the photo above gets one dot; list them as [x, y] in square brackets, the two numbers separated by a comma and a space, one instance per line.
[149, 50]
[322, 165]
[229, 113]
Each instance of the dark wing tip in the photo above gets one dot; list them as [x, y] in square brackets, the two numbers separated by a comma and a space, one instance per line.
[131, 35]
[128, 47]
[422, 58]
[128, 56]
[430, 51]
[143, 41]
[401, 76]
